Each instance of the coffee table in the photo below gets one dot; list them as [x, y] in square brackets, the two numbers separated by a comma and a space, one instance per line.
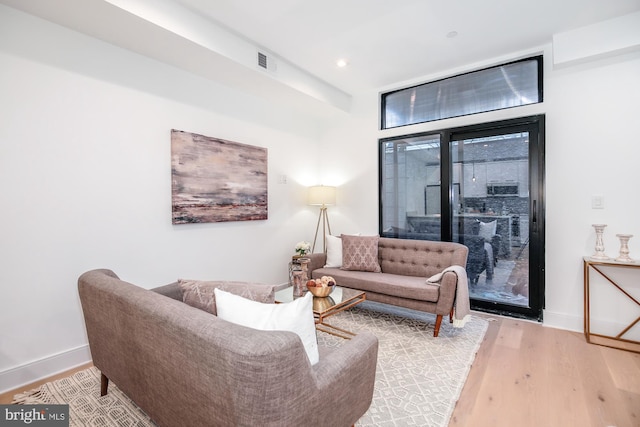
[340, 299]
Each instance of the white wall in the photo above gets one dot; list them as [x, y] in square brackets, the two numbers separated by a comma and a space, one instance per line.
[86, 183]
[591, 149]
[85, 172]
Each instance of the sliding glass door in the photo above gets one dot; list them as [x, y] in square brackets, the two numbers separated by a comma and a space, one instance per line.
[480, 186]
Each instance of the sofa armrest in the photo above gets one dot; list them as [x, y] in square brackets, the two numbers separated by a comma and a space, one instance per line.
[448, 286]
[172, 290]
[346, 377]
[316, 261]
[363, 347]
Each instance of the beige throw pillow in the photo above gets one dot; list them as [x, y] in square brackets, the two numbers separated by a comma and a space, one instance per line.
[360, 253]
[200, 294]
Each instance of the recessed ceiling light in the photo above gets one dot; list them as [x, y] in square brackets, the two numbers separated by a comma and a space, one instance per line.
[452, 34]
[341, 63]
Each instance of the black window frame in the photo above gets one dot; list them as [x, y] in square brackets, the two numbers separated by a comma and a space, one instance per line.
[540, 84]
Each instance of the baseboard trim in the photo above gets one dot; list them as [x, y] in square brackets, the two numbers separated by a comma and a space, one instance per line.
[563, 321]
[28, 373]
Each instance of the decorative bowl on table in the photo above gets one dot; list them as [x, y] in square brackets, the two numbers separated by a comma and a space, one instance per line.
[321, 287]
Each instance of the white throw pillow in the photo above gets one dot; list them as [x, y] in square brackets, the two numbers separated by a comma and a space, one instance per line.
[334, 252]
[488, 230]
[295, 316]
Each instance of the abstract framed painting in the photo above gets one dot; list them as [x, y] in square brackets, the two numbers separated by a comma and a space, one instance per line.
[215, 180]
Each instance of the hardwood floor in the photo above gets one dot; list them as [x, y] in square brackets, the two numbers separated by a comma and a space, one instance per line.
[527, 375]
[6, 398]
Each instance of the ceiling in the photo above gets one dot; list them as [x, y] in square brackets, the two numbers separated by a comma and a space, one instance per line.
[384, 42]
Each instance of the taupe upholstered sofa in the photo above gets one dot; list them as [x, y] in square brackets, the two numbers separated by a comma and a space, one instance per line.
[185, 367]
[405, 265]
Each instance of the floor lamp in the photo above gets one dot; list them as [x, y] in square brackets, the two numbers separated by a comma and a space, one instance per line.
[322, 196]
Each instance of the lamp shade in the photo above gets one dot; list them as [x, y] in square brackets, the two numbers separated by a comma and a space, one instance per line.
[322, 195]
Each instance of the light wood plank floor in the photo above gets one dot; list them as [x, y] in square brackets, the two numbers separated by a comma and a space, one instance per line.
[6, 398]
[528, 375]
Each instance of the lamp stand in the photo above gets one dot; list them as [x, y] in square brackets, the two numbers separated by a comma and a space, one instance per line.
[325, 227]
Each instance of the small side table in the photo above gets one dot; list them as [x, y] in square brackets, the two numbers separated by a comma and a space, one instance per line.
[298, 274]
[615, 341]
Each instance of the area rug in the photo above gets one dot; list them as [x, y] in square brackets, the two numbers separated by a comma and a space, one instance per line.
[418, 380]
[86, 408]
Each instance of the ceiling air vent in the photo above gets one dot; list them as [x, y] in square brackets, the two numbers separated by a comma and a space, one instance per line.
[262, 60]
[266, 61]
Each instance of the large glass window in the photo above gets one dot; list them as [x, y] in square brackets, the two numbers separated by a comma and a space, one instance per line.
[411, 187]
[509, 85]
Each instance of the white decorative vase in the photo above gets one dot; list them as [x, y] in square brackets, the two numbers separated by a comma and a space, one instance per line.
[599, 243]
[624, 248]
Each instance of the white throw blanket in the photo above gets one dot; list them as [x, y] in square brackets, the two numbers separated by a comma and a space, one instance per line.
[462, 308]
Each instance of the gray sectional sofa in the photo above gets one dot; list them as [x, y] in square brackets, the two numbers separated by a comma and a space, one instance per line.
[405, 265]
[186, 367]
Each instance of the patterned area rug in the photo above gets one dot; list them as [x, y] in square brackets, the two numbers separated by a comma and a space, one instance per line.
[86, 408]
[418, 380]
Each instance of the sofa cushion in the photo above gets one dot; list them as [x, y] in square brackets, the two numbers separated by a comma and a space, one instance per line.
[295, 316]
[334, 251]
[200, 294]
[360, 253]
[411, 287]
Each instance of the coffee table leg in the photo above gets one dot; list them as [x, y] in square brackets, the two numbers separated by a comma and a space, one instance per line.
[334, 330]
